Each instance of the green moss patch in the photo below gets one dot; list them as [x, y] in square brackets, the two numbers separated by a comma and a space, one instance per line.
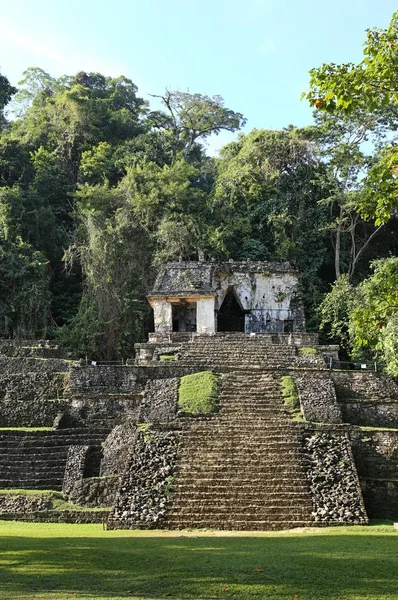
[291, 399]
[197, 393]
[165, 357]
[307, 351]
[23, 492]
[28, 429]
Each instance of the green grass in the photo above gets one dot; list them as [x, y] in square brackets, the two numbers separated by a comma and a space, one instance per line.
[369, 428]
[83, 562]
[197, 393]
[27, 429]
[291, 399]
[23, 492]
[307, 351]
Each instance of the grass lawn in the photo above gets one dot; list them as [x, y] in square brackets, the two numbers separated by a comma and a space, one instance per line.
[82, 562]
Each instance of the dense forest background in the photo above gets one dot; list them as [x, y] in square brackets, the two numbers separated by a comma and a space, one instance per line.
[97, 189]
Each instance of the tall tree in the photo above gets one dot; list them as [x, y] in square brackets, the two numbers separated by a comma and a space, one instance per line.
[366, 87]
[6, 93]
[193, 117]
[349, 144]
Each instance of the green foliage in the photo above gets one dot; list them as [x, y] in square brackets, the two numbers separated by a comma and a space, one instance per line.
[335, 310]
[363, 319]
[114, 252]
[373, 318]
[96, 191]
[194, 116]
[380, 198]
[291, 400]
[266, 205]
[6, 91]
[197, 393]
[371, 83]
[24, 290]
[366, 88]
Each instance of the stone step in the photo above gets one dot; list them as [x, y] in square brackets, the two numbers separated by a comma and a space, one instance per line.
[242, 511]
[15, 469]
[268, 498]
[268, 453]
[240, 522]
[48, 443]
[277, 486]
[32, 483]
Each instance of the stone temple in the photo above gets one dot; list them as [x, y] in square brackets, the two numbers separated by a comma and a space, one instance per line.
[240, 296]
[230, 416]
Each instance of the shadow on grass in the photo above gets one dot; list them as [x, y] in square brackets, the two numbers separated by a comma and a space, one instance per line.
[312, 567]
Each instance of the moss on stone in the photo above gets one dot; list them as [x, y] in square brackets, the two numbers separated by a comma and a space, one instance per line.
[165, 357]
[30, 492]
[307, 351]
[291, 399]
[28, 429]
[197, 393]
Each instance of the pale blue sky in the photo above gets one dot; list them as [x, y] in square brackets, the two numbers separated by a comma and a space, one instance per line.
[254, 53]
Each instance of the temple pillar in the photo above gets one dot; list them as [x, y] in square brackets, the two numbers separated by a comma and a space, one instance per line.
[163, 316]
[205, 316]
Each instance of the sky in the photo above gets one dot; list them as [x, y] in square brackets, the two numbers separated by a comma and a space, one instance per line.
[256, 54]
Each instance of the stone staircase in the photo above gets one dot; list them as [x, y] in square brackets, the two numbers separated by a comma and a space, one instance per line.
[242, 467]
[240, 353]
[36, 459]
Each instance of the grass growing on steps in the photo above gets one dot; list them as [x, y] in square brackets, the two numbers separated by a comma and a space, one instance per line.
[166, 357]
[23, 492]
[307, 351]
[197, 393]
[83, 562]
[27, 429]
[291, 399]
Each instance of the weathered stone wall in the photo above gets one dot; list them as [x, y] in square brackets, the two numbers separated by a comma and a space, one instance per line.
[376, 458]
[117, 449]
[332, 477]
[59, 516]
[104, 379]
[74, 469]
[143, 498]
[381, 498]
[318, 397]
[367, 398]
[160, 400]
[31, 348]
[32, 391]
[103, 411]
[95, 491]
[20, 503]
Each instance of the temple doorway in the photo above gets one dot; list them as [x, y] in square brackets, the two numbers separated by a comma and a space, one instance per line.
[184, 317]
[231, 316]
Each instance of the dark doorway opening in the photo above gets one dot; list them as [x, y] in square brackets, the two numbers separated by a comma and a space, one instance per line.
[184, 317]
[231, 316]
[92, 462]
[288, 326]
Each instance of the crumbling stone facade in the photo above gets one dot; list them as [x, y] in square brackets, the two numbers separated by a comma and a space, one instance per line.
[117, 445]
[203, 297]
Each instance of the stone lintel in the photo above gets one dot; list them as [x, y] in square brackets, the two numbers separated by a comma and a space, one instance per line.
[183, 299]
